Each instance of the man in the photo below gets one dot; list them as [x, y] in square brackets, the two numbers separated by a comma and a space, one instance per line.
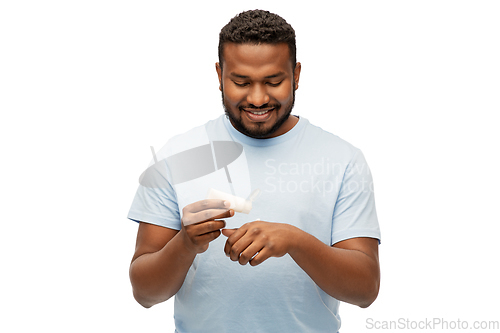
[311, 238]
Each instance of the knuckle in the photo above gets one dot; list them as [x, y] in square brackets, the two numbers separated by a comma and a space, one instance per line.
[186, 220]
[216, 234]
[208, 215]
[208, 226]
[235, 252]
[255, 231]
[213, 225]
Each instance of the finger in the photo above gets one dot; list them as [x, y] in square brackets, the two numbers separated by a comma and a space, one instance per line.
[207, 238]
[205, 204]
[205, 227]
[240, 246]
[260, 257]
[206, 215]
[232, 239]
[228, 232]
[226, 213]
[251, 251]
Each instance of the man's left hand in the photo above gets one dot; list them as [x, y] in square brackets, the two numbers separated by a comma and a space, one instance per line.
[257, 241]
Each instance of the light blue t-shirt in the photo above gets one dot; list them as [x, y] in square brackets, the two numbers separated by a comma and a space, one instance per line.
[308, 178]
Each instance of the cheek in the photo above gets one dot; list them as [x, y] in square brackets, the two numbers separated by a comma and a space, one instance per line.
[283, 94]
[231, 95]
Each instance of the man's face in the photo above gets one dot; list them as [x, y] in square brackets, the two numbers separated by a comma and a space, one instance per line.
[258, 88]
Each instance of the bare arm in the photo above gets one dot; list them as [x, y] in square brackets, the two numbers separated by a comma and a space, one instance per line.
[159, 264]
[163, 256]
[348, 271]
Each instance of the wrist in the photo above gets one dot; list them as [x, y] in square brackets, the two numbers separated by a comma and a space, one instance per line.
[187, 246]
[294, 236]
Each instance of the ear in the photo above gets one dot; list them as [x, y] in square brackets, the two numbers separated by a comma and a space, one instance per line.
[218, 68]
[296, 75]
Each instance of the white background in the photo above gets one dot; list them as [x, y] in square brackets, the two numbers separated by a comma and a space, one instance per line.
[87, 86]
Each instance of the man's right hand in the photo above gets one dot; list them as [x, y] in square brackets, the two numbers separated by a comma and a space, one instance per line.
[163, 256]
[200, 224]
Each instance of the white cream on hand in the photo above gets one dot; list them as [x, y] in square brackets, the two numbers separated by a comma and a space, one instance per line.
[238, 204]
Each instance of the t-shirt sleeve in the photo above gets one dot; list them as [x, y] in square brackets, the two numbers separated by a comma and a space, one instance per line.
[355, 214]
[155, 201]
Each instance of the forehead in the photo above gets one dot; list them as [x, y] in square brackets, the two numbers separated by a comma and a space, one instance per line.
[256, 60]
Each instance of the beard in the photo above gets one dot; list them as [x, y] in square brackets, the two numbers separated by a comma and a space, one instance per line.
[259, 132]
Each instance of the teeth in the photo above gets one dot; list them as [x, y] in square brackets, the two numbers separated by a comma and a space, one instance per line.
[259, 113]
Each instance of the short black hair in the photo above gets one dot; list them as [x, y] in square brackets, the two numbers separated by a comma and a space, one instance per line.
[258, 27]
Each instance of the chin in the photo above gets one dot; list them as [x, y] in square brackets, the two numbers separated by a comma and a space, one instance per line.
[257, 131]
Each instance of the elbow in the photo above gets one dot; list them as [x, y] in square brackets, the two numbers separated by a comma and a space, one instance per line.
[366, 303]
[148, 299]
[143, 290]
[370, 295]
[145, 303]
[139, 294]
[371, 289]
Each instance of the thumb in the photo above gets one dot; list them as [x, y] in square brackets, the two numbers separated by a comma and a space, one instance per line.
[228, 232]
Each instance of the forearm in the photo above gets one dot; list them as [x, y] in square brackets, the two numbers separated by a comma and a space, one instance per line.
[347, 275]
[158, 276]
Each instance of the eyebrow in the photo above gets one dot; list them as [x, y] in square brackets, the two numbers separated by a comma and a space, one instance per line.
[267, 77]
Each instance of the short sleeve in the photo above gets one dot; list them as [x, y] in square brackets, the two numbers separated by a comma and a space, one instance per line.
[354, 213]
[155, 201]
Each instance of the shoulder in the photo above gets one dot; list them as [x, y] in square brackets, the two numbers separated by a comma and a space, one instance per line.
[195, 137]
[329, 142]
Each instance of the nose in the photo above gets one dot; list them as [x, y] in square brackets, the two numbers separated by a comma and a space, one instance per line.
[258, 95]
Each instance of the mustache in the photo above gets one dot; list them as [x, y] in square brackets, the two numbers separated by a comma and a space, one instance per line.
[262, 107]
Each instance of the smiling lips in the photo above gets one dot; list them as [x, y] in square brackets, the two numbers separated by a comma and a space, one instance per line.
[258, 114]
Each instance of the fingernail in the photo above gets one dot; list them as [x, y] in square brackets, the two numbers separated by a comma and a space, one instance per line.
[227, 204]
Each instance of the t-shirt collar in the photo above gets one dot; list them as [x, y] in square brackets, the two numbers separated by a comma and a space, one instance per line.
[237, 135]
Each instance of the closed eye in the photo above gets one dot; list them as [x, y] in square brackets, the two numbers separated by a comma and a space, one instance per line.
[241, 84]
[274, 84]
